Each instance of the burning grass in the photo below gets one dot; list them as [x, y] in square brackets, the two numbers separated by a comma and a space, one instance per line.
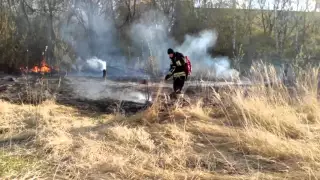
[259, 133]
[43, 68]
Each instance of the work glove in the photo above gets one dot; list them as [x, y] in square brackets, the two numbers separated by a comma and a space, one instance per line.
[167, 77]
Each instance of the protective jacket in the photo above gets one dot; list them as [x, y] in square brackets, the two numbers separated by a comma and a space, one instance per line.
[177, 66]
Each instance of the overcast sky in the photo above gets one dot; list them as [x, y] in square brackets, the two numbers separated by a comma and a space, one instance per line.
[296, 5]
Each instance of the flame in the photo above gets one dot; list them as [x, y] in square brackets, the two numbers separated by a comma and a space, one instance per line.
[44, 68]
[35, 69]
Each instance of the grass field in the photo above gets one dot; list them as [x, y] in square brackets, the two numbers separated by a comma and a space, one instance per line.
[256, 133]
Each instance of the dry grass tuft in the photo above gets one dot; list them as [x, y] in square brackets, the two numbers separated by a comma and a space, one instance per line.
[255, 141]
[135, 136]
[280, 119]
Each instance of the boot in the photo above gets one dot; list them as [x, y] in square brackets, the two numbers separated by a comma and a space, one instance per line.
[173, 95]
[180, 95]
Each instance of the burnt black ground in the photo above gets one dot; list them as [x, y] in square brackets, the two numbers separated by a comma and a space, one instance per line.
[96, 95]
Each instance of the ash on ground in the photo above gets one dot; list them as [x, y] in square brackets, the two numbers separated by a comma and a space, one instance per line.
[84, 93]
[100, 95]
[20, 89]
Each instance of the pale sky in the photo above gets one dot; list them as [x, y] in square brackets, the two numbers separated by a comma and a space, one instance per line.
[296, 5]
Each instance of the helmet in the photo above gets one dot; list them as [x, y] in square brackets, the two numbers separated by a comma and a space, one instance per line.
[170, 51]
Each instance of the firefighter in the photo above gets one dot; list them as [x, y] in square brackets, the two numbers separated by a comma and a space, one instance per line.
[177, 70]
[104, 73]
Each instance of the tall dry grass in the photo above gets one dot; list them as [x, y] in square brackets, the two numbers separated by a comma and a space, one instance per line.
[259, 132]
[281, 122]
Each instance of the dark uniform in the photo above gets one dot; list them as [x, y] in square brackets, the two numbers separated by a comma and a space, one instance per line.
[177, 70]
[104, 73]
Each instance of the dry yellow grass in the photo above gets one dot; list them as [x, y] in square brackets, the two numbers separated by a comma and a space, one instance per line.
[268, 134]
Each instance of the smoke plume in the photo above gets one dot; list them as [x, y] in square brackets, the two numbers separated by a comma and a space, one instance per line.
[96, 64]
[151, 33]
[150, 38]
[96, 43]
[203, 64]
[92, 35]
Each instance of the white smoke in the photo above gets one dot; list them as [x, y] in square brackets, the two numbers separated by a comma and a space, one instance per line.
[150, 37]
[95, 63]
[151, 33]
[90, 33]
[203, 65]
[96, 89]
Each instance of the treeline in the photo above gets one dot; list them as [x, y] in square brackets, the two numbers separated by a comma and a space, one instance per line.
[282, 31]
